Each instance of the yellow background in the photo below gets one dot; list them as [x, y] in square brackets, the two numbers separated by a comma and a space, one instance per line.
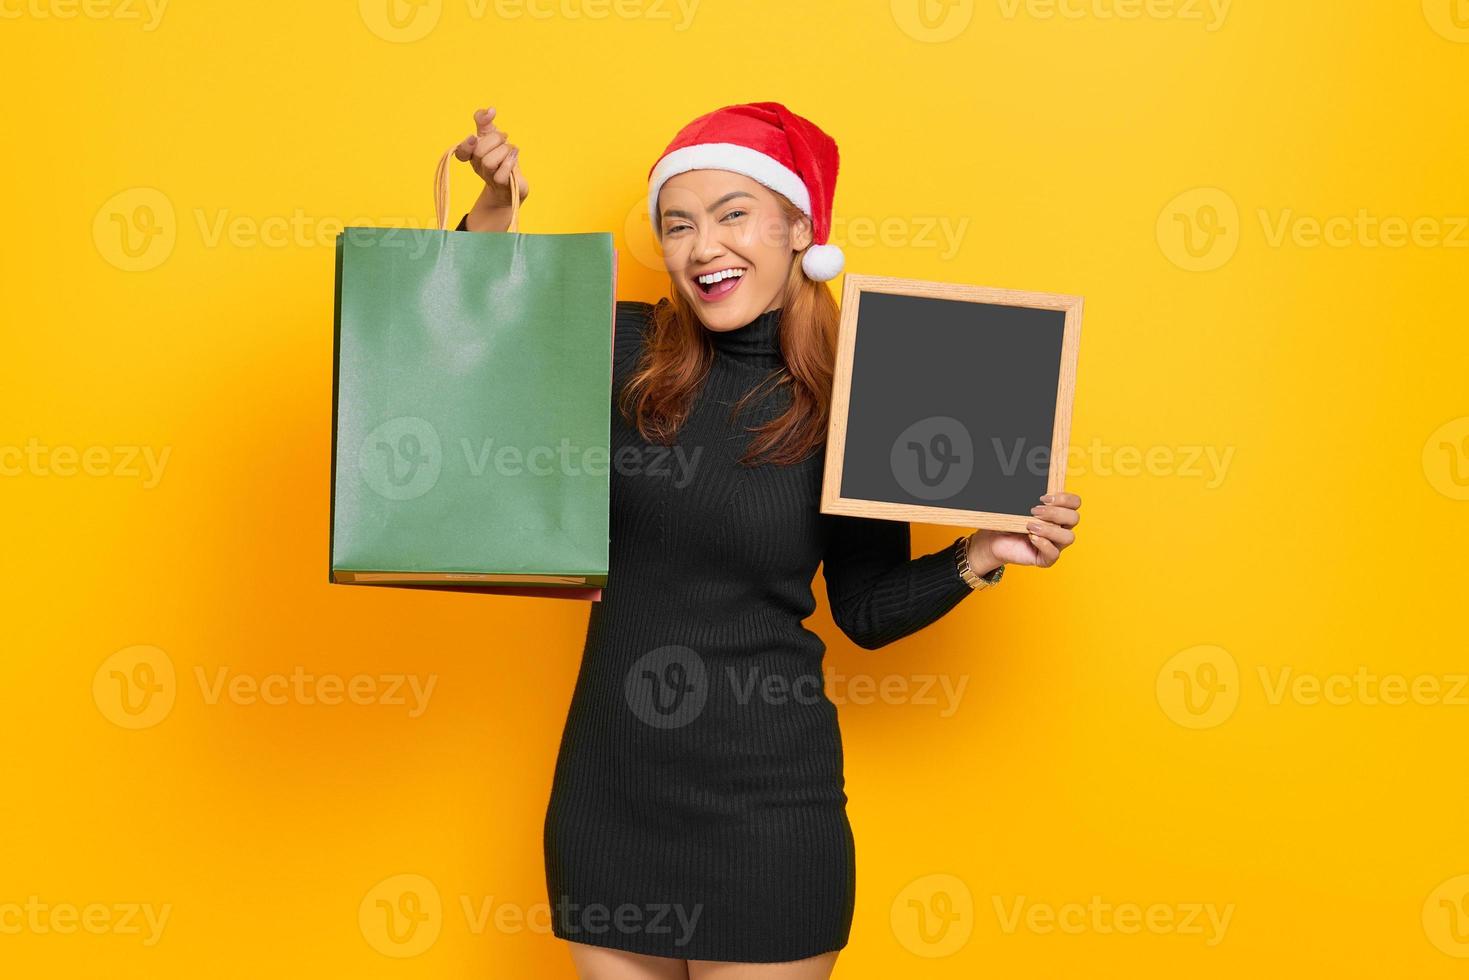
[1121, 733]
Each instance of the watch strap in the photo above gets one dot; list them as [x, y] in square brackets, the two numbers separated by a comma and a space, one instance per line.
[973, 580]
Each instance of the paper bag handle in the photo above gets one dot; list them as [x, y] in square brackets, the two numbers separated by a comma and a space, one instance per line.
[441, 194]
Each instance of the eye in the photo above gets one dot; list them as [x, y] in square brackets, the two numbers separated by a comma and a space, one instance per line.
[674, 228]
[733, 213]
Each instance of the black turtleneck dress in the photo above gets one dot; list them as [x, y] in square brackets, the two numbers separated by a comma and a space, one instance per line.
[697, 809]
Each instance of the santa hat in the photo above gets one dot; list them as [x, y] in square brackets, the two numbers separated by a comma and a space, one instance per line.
[768, 143]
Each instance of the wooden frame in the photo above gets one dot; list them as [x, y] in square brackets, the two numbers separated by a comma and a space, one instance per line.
[832, 502]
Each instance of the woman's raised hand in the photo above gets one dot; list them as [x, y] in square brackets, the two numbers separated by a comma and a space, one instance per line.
[1051, 530]
[491, 154]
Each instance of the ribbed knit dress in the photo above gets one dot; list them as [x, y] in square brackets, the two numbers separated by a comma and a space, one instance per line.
[698, 808]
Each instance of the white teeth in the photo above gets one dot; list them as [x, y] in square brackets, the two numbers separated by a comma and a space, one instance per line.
[714, 277]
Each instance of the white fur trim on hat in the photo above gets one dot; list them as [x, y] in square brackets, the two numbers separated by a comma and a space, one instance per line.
[733, 157]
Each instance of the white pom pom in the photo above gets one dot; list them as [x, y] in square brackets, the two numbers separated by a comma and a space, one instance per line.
[823, 262]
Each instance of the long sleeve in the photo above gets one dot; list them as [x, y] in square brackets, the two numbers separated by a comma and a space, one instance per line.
[878, 593]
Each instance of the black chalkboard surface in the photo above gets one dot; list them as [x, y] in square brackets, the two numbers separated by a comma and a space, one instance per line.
[951, 404]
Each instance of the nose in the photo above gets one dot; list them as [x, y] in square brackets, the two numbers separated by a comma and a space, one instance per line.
[709, 245]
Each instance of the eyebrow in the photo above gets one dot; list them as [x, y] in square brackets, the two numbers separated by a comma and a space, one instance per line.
[673, 213]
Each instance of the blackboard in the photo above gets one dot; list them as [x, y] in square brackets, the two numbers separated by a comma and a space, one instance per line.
[951, 404]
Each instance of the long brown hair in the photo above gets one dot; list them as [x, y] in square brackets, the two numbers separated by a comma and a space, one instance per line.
[677, 355]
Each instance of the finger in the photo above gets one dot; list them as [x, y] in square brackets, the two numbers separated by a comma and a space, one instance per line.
[1059, 535]
[1046, 552]
[502, 174]
[1057, 515]
[484, 121]
[488, 144]
[465, 149]
[489, 164]
[1070, 500]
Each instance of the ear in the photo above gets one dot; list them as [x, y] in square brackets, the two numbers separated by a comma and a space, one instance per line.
[800, 233]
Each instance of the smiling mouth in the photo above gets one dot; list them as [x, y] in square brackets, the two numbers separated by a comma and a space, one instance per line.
[723, 287]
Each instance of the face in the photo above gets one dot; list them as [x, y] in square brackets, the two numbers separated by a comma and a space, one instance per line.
[714, 221]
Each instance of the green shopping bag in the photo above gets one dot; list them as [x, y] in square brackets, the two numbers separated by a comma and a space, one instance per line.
[472, 408]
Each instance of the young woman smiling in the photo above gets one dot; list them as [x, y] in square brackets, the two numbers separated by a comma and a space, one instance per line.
[697, 823]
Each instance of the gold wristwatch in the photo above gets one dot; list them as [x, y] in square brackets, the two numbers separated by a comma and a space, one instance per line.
[976, 582]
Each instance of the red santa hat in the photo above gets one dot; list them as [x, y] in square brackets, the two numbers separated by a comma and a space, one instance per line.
[768, 143]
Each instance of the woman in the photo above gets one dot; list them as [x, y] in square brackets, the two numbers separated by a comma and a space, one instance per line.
[697, 824]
